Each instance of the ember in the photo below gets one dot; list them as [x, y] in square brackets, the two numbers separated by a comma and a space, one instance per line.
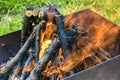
[52, 47]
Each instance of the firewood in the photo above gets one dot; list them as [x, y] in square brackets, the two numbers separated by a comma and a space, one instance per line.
[4, 69]
[35, 16]
[27, 25]
[68, 36]
[42, 15]
[28, 13]
[48, 13]
[21, 61]
[28, 65]
[49, 55]
[37, 30]
[62, 35]
[35, 12]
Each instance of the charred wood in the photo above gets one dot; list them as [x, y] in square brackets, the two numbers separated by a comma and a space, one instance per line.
[4, 69]
[68, 36]
[27, 25]
[62, 35]
[68, 39]
[37, 30]
[27, 67]
[22, 61]
[49, 55]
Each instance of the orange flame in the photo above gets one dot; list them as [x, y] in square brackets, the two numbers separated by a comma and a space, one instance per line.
[94, 49]
[89, 55]
[29, 67]
[44, 46]
[46, 37]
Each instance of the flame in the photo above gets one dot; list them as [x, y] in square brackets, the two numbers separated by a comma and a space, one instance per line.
[94, 49]
[46, 37]
[29, 67]
[90, 54]
[44, 46]
[55, 68]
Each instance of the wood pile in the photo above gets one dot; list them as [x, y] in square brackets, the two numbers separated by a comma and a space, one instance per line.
[54, 46]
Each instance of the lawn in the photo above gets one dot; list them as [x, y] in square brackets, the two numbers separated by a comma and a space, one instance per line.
[12, 11]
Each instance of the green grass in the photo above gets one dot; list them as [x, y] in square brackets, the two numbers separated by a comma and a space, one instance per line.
[12, 11]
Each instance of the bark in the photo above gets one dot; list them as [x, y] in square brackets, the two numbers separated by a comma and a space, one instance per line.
[50, 54]
[23, 60]
[27, 25]
[62, 35]
[10, 64]
[68, 39]
[38, 29]
[35, 16]
[25, 74]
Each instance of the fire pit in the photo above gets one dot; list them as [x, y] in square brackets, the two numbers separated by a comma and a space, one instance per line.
[54, 47]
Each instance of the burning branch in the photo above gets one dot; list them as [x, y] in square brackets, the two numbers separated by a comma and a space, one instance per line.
[62, 35]
[10, 64]
[50, 54]
[44, 34]
[38, 29]
[4, 69]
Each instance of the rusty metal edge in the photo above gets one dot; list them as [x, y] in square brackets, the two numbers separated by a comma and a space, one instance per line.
[108, 70]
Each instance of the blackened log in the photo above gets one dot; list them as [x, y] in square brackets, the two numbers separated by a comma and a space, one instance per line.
[62, 35]
[25, 73]
[9, 65]
[50, 54]
[47, 13]
[69, 36]
[37, 43]
[27, 25]
[38, 29]
[26, 31]
[36, 20]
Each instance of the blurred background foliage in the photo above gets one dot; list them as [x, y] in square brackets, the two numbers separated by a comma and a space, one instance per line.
[12, 11]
